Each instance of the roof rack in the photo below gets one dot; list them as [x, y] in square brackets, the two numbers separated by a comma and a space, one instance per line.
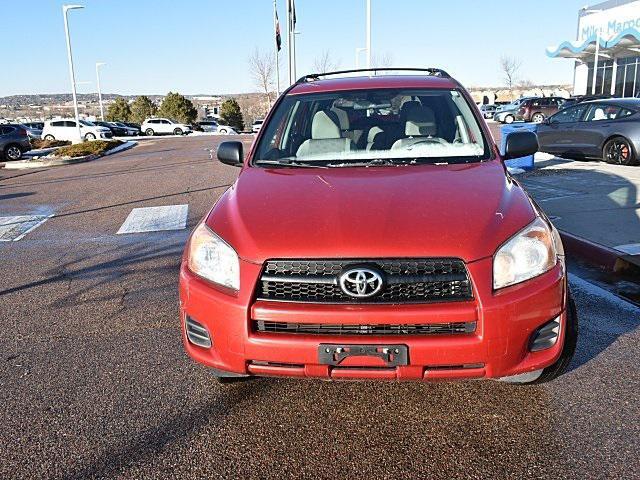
[435, 72]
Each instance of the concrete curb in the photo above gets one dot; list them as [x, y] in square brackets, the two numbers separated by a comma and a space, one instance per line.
[26, 164]
[601, 256]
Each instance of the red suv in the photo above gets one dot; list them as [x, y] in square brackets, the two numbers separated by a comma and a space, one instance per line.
[537, 109]
[374, 233]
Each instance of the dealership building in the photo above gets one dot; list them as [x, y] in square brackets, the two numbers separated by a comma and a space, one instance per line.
[606, 50]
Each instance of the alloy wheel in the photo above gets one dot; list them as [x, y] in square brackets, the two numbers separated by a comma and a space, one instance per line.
[13, 153]
[617, 151]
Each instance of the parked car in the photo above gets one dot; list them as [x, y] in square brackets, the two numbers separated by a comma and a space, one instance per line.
[32, 131]
[488, 110]
[34, 125]
[606, 130]
[226, 130]
[582, 98]
[506, 113]
[209, 125]
[132, 125]
[116, 130]
[14, 141]
[374, 233]
[66, 129]
[255, 127]
[537, 109]
[159, 126]
[131, 131]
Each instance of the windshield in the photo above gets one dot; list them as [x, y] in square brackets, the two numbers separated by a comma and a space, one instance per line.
[359, 126]
[86, 123]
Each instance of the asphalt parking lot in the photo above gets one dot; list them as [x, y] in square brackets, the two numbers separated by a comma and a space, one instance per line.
[94, 381]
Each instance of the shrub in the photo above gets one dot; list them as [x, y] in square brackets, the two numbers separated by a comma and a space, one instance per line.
[95, 147]
[38, 143]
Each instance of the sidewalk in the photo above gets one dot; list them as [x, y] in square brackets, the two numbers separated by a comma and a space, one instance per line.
[592, 200]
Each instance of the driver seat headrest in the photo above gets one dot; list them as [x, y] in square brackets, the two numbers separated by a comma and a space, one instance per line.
[421, 122]
[323, 126]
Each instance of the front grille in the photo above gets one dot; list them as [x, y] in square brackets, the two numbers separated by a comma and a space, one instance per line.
[382, 329]
[406, 280]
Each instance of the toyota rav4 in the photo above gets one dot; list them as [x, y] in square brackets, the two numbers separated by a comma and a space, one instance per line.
[374, 232]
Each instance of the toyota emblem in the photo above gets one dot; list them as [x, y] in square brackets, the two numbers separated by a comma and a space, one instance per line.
[361, 282]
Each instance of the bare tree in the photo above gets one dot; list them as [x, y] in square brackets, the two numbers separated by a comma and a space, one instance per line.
[510, 67]
[325, 63]
[262, 68]
[382, 60]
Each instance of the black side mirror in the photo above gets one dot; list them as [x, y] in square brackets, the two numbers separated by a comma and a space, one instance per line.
[520, 144]
[230, 153]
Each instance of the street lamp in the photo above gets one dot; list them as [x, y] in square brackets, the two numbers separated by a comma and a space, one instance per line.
[98, 65]
[65, 9]
[595, 62]
[369, 34]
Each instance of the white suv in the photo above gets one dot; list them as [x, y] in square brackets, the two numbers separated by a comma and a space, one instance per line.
[154, 126]
[66, 129]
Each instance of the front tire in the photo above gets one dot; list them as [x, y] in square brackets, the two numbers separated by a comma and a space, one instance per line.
[222, 131]
[51, 138]
[177, 131]
[12, 152]
[89, 136]
[509, 119]
[619, 151]
[537, 118]
[149, 132]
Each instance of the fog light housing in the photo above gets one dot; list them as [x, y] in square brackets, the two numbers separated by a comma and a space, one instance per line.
[546, 336]
[197, 333]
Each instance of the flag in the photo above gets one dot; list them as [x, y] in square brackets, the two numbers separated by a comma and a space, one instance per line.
[278, 38]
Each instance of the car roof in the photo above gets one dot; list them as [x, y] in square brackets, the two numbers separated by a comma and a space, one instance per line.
[381, 81]
[624, 102]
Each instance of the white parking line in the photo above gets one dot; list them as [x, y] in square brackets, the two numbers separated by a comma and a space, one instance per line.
[155, 219]
[630, 249]
[16, 227]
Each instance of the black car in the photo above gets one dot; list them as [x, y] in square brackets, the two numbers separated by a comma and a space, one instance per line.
[607, 130]
[582, 98]
[116, 131]
[14, 141]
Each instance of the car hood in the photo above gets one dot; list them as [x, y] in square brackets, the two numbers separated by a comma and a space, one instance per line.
[463, 211]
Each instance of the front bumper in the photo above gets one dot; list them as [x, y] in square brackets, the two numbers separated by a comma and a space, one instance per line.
[499, 347]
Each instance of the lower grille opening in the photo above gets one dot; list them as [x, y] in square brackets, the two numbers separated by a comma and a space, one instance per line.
[546, 336]
[197, 333]
[455, 367]
[276, 364]
[454, 328]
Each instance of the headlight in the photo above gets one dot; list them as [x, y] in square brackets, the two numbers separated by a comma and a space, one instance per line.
[212, 258]
[529, 253]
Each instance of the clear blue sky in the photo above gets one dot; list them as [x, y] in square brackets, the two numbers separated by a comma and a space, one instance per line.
[202, 46]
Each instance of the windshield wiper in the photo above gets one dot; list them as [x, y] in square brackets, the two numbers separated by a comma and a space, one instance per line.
[289, 163]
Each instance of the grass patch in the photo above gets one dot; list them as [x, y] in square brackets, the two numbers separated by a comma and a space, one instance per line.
[39, 143]
[94, 147]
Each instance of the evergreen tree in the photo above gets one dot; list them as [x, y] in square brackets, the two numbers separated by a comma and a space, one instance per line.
[231, 115]
[118, 111]
[178, 108]
[141, 109]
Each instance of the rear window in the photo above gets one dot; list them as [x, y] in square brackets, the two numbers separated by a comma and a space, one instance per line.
[435, 125]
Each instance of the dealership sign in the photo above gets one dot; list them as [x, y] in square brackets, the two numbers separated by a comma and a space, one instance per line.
[610, 22]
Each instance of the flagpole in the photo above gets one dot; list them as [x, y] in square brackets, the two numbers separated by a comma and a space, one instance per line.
[289, 41]
[275, 26]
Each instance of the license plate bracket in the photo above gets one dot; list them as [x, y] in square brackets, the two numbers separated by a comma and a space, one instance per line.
[334, 354]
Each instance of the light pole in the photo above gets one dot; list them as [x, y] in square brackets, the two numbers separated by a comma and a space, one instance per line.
[98, 65]
[595, 62]
[369, 34]
[65, 9]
